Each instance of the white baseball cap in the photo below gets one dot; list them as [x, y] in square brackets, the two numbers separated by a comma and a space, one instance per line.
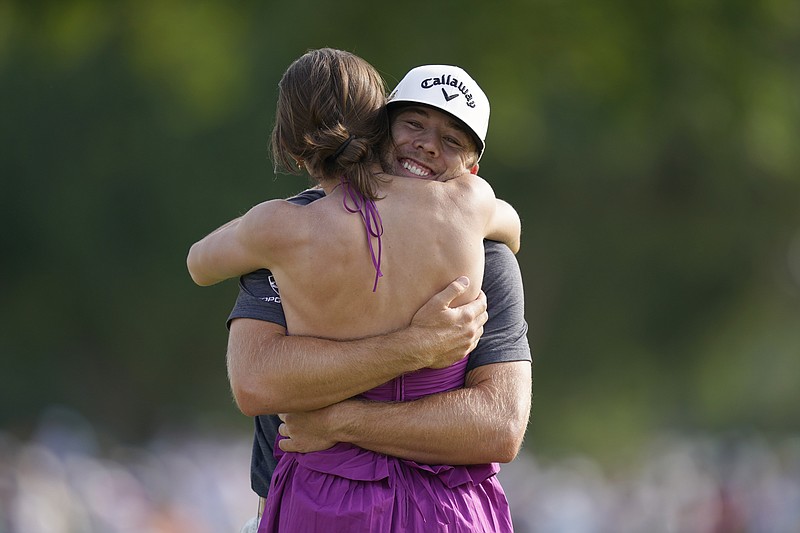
[449, 89]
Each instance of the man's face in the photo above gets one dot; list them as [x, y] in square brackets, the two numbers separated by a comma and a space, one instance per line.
[428, 144]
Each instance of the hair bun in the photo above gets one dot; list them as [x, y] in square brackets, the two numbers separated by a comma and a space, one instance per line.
[342, 148]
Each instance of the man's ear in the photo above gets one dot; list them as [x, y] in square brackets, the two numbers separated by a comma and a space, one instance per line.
[474, 169]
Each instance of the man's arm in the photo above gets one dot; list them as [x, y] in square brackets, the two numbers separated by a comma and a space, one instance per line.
[483, 422]
[271, 372]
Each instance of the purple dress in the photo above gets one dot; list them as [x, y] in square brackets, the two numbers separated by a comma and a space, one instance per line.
[349, 489]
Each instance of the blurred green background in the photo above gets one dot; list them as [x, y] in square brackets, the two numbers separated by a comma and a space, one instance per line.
[651, 149]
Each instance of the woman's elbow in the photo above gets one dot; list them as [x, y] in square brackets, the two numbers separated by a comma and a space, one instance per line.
[516, 241]
[192, 266]
[195, 271]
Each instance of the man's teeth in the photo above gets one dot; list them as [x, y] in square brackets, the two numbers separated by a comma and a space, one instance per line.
[414, 169]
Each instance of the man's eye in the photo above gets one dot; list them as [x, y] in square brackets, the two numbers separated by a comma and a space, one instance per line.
[453, 141]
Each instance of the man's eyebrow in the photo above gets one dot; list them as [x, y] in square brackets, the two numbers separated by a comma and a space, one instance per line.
[457, 126]
[453, 123]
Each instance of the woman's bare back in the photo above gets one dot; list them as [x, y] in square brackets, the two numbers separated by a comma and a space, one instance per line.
[433, 233]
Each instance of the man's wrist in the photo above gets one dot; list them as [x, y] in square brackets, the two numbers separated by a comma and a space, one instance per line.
[339, 420]
[410, 347]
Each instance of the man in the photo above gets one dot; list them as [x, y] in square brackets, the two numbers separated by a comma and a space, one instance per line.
[315, 379]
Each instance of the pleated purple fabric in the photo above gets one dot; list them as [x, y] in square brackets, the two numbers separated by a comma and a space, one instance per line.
[349, 489]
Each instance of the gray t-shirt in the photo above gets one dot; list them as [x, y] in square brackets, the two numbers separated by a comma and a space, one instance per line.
[504, 335]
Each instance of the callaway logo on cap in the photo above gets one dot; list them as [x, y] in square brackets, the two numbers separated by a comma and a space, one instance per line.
[449, 89]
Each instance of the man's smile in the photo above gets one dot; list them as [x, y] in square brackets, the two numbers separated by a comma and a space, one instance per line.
[414, 167]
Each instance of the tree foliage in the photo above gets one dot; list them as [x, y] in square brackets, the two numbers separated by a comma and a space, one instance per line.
[649, 148]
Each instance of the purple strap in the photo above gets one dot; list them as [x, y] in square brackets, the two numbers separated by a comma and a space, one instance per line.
[372, 222]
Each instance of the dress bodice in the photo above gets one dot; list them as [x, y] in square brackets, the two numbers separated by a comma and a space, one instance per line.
[415, 385]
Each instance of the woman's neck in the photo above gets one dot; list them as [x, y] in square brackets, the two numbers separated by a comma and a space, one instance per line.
[329, 185]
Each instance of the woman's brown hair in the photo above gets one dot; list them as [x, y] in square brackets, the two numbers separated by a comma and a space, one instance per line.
[331, 116]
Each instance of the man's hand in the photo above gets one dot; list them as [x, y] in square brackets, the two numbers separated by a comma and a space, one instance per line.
[449, 333]
[305, 431]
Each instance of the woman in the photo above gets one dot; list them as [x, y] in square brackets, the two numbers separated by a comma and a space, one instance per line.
[335, 283]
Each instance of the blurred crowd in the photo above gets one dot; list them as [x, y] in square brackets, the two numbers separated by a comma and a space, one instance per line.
[62, 480]
[678, 485]
[65, 480]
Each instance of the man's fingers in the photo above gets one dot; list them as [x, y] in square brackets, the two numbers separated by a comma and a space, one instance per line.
[283, 431]
[453, 291]
[476, 308]
[286, 445]
[484, 306]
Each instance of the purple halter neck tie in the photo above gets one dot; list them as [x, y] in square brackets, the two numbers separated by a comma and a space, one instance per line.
[372, 222]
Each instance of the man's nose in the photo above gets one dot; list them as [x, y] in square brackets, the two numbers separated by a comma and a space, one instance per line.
[428, 142]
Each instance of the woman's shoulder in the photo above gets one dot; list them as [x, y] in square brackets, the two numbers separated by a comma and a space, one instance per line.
[274, 223]
[466, 191]
[473, 183]
[471, 193]
[265, 212]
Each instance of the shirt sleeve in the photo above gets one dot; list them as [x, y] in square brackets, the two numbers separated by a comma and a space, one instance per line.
[259, 297]
[505, 335]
